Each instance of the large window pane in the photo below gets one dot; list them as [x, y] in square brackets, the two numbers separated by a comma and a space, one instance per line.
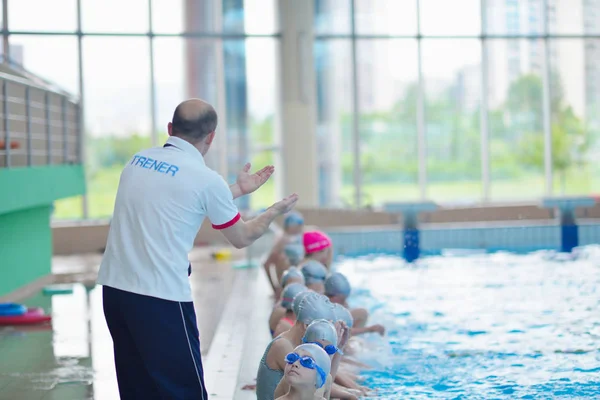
[452, 71]
[332, 17]
[117, 100]
[53, 58]
[574, 17]
[515, 97]
[456, 17]
[333, 67]
[575, 93]
[262, 93]
[236, 76]
[387, 93]
[170, 16]
[514, 17]
[42, 15]
[260, 17]
[386, 17]
[130, 16]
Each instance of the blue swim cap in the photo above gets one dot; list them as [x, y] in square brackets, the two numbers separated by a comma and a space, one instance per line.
[314, 272]
[291, 272]
[321, 329]
[309, 306]
[337, 284]
[293, 218]
[343, 314]
[294, 252]
[321, 359]
[288, 294]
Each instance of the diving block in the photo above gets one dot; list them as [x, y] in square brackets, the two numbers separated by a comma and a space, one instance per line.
[568, 224]
[410, 212]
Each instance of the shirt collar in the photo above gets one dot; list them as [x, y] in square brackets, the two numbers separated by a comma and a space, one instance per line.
[186, 147]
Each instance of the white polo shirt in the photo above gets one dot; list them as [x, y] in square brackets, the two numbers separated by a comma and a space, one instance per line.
[163, 196]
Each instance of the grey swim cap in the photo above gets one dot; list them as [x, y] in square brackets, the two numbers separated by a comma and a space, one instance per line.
[311, 306]
[337, 284]
[321, 329]
[291, 272]
[321, 359]
[288, 294]
[294, 252]
[314, 272]
[343, 314]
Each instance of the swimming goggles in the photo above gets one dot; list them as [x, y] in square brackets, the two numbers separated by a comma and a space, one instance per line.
[307, 362]
[329, 349]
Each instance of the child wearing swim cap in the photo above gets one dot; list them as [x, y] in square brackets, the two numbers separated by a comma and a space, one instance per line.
[306, 371]
[293, 226]
[288, 319]
[308, 306]
[314, 275]
[318, 246]
[337, 288]
[290, 276]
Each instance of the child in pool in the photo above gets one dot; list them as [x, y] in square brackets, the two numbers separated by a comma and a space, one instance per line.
[318, 246]
[307, 306]
[315, 274]
[291, 276]
[288, 319]
[337, 288]
[293, 226]
[305, 372]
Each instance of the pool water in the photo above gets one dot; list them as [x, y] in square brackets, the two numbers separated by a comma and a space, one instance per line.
[482, 326]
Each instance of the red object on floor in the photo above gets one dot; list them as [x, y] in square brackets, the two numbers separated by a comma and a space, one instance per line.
[31, 317]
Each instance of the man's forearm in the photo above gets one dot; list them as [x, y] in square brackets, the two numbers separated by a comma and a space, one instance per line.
[236, 191]
[258, 226]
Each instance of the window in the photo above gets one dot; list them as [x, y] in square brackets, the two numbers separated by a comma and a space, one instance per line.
[117, 99]
[452, 74]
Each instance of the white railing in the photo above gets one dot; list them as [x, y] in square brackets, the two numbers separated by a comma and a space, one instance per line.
[38, 125]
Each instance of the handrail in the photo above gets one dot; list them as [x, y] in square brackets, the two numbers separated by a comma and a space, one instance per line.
[46, 84]
[28, 83]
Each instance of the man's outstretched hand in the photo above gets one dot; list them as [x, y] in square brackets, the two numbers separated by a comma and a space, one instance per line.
[247, 183]
[286, 205]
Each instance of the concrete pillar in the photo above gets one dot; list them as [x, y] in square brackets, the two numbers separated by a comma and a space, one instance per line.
[298, 102]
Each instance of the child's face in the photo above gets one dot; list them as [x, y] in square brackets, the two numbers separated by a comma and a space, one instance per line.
[299, 376]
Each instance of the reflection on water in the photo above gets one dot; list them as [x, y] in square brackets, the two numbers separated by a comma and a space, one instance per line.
[72, 359]
[497, 326]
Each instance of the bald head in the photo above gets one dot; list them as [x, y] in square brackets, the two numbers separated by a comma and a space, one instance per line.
[193, 120]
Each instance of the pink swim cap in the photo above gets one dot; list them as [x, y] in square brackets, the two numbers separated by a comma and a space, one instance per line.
[315, 241]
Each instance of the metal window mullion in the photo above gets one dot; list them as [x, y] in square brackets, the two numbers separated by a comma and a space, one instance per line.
[28, 126]
[547, 106]
[421, 134]
[80, 109]
[5, 33]
[63, 104]
[6, 123]
[48, 129]
[357, 173]
[484, 121]
[153, 132]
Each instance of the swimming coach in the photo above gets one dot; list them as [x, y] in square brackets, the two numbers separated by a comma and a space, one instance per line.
[164, 195]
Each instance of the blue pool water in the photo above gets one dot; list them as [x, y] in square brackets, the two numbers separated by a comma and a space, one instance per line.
[482, 326]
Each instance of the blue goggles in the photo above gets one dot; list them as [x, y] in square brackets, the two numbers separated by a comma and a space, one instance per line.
[307, 362]
[329, 349]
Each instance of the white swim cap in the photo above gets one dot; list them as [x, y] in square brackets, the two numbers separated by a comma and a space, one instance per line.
[337, 284]
[311, 306]
[343, 314]
[321, 329]
[289, 293]
[314, 272]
